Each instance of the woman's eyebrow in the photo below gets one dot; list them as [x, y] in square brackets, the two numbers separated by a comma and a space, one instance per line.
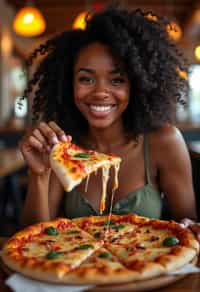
[114, 71]
[88, 70]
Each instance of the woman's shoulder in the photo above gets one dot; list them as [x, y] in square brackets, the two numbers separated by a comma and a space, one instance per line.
[166, 136]
[166, 143]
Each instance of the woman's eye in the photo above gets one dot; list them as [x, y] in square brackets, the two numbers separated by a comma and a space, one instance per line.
[117, 80]
[85, 79]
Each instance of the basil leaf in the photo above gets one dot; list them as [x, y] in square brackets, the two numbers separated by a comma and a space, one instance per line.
[105, 255]
[171, 241]
[54, 254]
[82, 155]
[85, 246]
[51, 231]
[120, 226]
[107, 222]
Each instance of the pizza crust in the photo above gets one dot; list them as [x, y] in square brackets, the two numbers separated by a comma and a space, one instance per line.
[93, 269]
[71, 173]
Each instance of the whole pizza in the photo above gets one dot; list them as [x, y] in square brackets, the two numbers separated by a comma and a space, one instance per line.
[100, 249]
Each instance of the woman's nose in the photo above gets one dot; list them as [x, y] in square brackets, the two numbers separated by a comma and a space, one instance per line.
[101, 94]
[101, 90]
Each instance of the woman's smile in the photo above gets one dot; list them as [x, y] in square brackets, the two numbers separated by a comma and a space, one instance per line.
[101, 111]
[101, 86]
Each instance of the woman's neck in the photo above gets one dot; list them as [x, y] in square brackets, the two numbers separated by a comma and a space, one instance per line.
[107, 140]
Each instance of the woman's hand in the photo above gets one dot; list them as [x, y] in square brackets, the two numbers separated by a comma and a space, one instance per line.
[195, 227]
[37, 143]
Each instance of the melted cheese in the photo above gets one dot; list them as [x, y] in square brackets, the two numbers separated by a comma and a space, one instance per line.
[110, 211]
[71, 169]
[86, 183]
[105, 177]
[116, 182]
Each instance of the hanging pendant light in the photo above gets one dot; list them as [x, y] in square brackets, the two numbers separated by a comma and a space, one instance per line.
[29, 22]
[80, 20]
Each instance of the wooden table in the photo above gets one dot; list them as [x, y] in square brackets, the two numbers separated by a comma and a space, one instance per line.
[190, 283]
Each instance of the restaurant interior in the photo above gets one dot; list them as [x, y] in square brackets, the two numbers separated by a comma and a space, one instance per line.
[18, 38]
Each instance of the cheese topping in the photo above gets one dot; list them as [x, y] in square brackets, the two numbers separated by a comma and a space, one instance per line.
[72, 164]
[105, 177]
[86, 183]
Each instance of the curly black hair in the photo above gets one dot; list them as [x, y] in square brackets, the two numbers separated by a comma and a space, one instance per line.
[153, 63]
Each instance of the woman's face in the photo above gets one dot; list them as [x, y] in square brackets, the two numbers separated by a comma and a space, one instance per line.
[101, 86]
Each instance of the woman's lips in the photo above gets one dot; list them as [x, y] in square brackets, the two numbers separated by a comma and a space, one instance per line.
[101, 111]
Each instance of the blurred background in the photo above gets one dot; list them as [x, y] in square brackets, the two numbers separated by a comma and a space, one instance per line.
[26, 24]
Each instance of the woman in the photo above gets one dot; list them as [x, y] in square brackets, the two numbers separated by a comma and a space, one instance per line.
[114, 88]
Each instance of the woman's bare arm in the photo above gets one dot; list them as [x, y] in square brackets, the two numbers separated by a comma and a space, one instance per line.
[36, 206]
[175, 174]
[44, 192]
[42, 199]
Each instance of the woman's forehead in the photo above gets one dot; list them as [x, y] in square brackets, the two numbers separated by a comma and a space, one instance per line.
[98, 54]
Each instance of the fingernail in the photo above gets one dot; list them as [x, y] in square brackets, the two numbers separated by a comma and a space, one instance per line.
[69, 138]
[64, 138]
[54, 140]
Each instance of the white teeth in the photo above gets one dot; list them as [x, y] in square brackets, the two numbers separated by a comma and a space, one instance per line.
[101, 108]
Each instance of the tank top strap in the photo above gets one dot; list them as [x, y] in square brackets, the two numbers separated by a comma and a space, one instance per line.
[146, 160]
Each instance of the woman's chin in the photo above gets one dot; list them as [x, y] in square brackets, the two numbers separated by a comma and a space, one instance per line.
[101, 125]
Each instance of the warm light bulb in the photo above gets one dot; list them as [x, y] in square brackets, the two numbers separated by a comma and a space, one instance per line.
[29, 22]
[197, 52]
[80, 20]
[28, 18]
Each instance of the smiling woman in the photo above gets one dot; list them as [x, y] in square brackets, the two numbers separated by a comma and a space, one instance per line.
[113, 90]
[101, 88]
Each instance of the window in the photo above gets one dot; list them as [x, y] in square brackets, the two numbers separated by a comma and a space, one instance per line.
[194, 93]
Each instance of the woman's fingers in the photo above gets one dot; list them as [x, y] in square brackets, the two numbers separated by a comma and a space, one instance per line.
[43, 137]
[59, 132]
[48, 133]
[38, 135]
[53, 133]
[195, 227]
[35, 143]
[186, 222]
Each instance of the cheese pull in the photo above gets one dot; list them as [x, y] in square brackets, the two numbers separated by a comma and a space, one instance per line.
[72, 164]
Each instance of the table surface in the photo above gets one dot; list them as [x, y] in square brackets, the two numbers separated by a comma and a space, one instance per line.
[190, 283]
[10, 161]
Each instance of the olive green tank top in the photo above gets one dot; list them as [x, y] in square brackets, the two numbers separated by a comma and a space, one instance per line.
[145, 201]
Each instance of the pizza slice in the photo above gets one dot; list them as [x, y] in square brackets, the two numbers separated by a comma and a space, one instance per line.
[108, 227]
[49, 250]
[101, 267]
[153, 246]
[72, 164]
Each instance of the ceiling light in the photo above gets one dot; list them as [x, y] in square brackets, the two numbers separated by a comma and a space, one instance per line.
[80, 20]
[197, 52]
[29, 22]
